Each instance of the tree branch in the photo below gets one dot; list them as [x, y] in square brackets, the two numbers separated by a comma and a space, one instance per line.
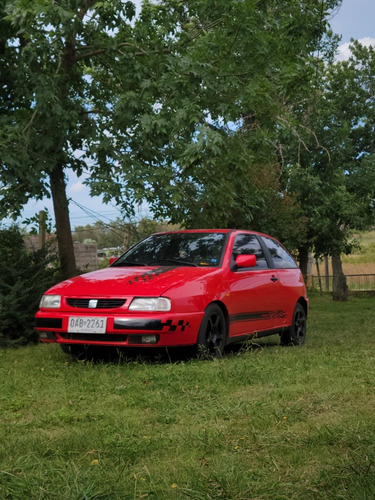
[83, 11]
[301, 142]
[317, 141]
[141, 52]
[90, 54]
[30, 122]
[95, 111]
[203, 29]
[80, 15]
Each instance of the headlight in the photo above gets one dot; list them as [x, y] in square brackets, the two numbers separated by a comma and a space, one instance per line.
[150, 304]
[50, 302]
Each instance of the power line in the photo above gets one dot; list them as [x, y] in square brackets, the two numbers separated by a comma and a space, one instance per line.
[93, 229]
[76, 216]
[91, 213]
[94, 215]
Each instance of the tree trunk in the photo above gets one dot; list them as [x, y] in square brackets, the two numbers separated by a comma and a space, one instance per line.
[326, 273]
[64, 233]
[319, 276]
[340, 290]
[304, 260]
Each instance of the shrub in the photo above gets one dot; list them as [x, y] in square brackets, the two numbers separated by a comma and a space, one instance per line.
[24, 277]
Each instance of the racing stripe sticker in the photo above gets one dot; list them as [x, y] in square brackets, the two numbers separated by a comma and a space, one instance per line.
[255, 316]
[150, 324]
[150, 275]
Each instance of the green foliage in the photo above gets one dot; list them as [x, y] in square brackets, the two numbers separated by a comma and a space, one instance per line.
[24, 277]
[34, 222]
[58, 96]
[330, 166]
[263, 422]
[201, 117]
[53, 104]
[184, 107]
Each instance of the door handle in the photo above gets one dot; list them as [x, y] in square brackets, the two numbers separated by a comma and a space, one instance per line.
[274, 278]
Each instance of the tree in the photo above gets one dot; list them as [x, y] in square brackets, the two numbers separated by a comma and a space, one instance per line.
[333, 178]
[212, 107]
[24, 276]
[57, 93]
[182, 107]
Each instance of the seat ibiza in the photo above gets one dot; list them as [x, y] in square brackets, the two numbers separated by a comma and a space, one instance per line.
[201, 288]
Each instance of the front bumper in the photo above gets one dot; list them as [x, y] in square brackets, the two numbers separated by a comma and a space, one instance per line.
[138, 330]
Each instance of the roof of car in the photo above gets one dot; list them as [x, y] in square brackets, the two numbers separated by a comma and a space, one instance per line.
[196, 231]
[224, 231]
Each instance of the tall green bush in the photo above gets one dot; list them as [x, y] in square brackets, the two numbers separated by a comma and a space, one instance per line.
[24, 277]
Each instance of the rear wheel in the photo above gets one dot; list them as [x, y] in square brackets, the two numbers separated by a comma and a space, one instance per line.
[296, 334]
[212, 333]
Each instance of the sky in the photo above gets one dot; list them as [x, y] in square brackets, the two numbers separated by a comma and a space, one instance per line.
[354, 19]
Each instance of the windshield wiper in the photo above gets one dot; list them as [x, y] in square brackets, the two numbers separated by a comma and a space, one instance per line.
[175, 261]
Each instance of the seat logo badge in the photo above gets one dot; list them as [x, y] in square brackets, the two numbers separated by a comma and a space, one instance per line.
[93, 304]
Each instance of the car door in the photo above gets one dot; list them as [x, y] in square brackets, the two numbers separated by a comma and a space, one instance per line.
[253, 292]
[289, 279]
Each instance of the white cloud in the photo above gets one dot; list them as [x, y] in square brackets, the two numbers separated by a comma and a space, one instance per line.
[78, 187]
[344, 49]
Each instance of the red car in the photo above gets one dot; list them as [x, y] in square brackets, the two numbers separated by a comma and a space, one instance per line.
[202, 288]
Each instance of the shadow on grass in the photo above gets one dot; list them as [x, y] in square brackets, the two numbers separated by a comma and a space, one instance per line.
[163, 355]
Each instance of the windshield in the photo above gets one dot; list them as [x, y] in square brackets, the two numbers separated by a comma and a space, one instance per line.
[171, 249]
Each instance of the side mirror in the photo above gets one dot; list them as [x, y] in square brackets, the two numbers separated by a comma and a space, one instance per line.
[112, 260]
[246, 261]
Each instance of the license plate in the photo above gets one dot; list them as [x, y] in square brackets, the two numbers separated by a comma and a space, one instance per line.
[87, 324]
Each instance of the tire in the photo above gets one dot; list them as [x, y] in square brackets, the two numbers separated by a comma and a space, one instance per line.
[76, 350]
[212, 333]
[296, 334]
[65, 348]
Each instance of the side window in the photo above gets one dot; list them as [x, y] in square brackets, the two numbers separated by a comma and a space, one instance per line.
[280, 256]
[246, 244]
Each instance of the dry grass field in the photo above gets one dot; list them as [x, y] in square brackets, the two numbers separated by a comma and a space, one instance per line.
[361, 261]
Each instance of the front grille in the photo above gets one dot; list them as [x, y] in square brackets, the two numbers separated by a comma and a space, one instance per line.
[94, 337]
[101, 303]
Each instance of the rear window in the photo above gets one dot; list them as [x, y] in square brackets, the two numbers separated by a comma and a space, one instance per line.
[281, 258]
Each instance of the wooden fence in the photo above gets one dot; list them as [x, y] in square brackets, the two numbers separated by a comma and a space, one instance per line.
[355, 282]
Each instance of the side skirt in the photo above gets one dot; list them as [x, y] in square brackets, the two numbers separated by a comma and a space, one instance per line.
[256, 335]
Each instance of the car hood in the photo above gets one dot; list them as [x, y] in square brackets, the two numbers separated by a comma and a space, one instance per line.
[129, 281]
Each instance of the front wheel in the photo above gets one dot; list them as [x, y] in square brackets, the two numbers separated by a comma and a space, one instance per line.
[296, 334]
[212, 333]
[78, 351]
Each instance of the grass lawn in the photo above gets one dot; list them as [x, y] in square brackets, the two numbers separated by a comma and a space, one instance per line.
[264, 422]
